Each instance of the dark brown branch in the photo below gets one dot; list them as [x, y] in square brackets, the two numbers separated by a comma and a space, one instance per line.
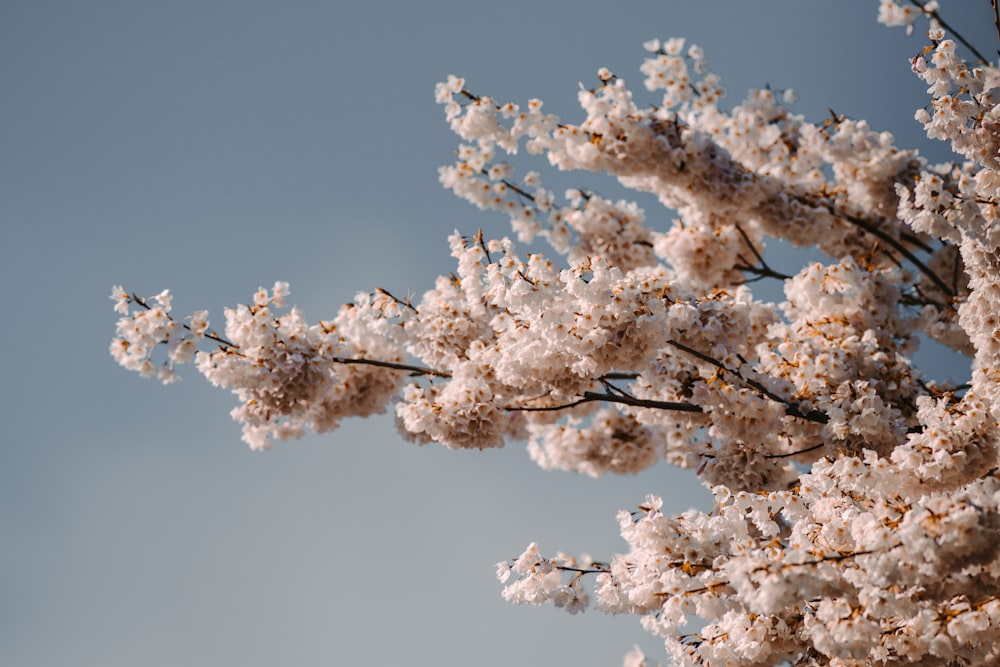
[760, 271]
[753, 248]
[915, 240]
[612, 389]
[619, 376]
[921, 299]
[791, 409]
[469, 95]
[482, 244]
[836, 558]
[801, 451]
[211, 335]
[599, 568]
[547, 408]
[414, 370]
[405, 304]
[641, 402]
[889, 240]
[514, 187]
[826, 559]
[937, 17]
[592, 396]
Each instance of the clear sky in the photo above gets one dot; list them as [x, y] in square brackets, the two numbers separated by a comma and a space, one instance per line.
[211, 147]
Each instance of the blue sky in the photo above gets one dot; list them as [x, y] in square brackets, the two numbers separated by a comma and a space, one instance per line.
[212, 147]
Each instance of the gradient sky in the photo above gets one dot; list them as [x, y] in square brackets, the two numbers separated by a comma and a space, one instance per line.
[211, 147]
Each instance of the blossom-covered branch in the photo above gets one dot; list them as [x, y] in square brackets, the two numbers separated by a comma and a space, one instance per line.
[857, 515]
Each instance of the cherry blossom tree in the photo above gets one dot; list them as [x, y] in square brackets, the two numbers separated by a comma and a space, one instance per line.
[857, 502]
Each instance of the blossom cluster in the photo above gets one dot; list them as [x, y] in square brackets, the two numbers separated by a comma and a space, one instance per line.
[857, 516]
[289, 375]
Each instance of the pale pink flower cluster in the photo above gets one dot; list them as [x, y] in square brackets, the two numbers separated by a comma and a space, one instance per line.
[150, 326]
[289, 375]
[857, 517]
[681, 73]
[614, 442]
[541, 580]
[892, 13]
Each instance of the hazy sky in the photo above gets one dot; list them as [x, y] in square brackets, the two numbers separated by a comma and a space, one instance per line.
[212, 147]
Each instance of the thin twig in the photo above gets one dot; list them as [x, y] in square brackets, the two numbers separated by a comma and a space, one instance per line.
[547, 408]
[937, 17]
[642, 402]
[405, 304]
[889, 240]
[619, 376]
[482, 244]
[414, 370]
[208, 334]
[913, 239]
[796, 453]
[750, 245]
[760, 271]
[791, 409]
[598, 568]
[592, 396]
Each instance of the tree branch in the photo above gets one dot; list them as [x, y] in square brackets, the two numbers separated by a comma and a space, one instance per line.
[937, 17]
[889, 240]
[414, 370]
[791, 409]
[211, 335]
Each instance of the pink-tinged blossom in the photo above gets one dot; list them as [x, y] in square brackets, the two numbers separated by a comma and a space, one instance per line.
[857, 502]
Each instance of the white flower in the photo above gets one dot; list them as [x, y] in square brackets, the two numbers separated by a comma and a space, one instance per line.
[121, 299]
